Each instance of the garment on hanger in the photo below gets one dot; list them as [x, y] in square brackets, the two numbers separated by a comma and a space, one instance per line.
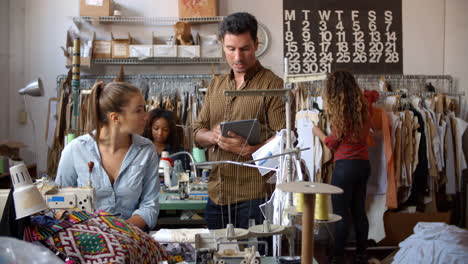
[451, 174]
[305, 120]
[460, 128]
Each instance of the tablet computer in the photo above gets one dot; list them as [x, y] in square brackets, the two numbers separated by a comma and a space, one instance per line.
[248, 129]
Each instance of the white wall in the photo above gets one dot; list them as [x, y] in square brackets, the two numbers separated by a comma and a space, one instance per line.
[435, 38]
[456, 48]
[4, 68]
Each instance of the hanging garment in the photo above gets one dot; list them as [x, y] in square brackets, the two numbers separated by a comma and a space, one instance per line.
[375, 209]
[433, 172]
[460, 126]
[420, 174]
[450, 171]
[377, 183]
[305, 121]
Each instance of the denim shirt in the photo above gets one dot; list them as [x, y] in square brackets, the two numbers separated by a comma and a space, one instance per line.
[136, 188]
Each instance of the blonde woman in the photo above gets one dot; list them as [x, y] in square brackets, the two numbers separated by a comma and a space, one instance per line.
[125, 164]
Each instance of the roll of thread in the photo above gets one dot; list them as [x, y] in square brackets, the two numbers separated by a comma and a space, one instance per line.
[199, 155]
[70, 137]
[299, 199]
[321, 207]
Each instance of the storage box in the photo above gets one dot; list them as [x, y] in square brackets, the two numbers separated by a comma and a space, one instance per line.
[201, 8]
[141, 51]
[96, 7]
[164, 46]
[86, 50]
[188, 51]
[121, 47]
[102, 49]
[210, 47]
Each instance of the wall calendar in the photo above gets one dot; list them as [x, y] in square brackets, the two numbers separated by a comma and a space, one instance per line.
[362, 36]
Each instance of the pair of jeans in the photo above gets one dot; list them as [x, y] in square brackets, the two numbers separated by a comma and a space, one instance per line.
[351, 176]
[217, 217]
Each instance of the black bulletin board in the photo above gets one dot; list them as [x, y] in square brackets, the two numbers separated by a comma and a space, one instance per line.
[363, 36]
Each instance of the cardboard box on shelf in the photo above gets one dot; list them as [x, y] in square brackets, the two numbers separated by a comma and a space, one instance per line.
[141, 51]
[102, 47]
[141, 45]
[96, 7]
[188, 51]
[210, 47]
[121, 46]
[200, 8]
[86, 49]
[164, 46]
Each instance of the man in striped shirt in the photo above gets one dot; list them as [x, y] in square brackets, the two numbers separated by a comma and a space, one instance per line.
[242, 187]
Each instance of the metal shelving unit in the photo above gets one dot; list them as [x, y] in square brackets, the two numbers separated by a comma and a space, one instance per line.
[158, 60]
[151, 21]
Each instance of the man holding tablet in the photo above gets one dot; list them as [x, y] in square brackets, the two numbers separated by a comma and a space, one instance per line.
[241, 187]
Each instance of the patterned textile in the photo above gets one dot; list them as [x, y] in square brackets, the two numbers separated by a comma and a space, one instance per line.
[86, 237]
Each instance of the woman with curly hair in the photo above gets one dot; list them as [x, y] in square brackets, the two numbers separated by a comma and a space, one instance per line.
[347, 113]
[161, 129]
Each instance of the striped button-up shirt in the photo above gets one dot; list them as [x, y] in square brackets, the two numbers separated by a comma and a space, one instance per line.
[231, 183]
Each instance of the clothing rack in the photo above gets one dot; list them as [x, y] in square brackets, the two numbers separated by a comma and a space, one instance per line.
[418, 82]
[420, 93]
[401, 84]
[150, 85]
[87, 81]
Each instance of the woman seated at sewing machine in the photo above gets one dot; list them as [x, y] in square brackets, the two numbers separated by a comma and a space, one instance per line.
[162, 131]
[125, 163]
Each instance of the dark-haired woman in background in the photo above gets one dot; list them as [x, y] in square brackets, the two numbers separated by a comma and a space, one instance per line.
[347, 113]
[125, 163]
[161, 129]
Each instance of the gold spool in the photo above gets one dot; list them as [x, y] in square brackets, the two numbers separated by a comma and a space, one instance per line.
[299, 200]
[321, 207]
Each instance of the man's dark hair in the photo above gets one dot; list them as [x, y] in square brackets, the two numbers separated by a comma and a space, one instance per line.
[239, 23]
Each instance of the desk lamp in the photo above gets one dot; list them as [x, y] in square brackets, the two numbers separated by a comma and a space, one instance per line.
[27, 198]
[35, 88]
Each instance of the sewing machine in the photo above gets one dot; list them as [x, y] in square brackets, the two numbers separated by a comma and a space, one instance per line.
[71, 198]
[77, 198]
[80, 198]
[210, 250]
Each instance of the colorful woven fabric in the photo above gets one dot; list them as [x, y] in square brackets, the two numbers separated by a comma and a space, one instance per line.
[98, 238]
